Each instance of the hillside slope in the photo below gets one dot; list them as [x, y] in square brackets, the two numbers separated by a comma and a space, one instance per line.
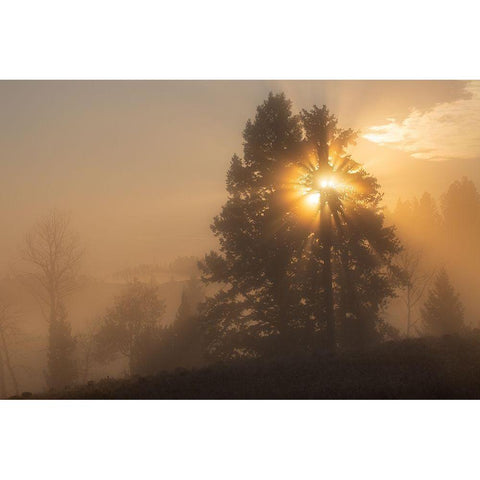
[410, 369]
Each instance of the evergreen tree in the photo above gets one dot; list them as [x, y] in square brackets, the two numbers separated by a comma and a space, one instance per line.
[302, 239]
[188, 348]
[62, 369]
[426, 212]
[131, 326]
[179, 345]
[8, 330]
[461, 208]
[418, 219]
[442, 312]
[192, 295]
[351, 249]
[250, 314]
[461, 214]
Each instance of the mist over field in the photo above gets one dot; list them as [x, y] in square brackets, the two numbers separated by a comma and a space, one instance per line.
[112, 192]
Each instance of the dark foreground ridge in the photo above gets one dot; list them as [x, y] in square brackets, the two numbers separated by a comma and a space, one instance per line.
[445, 368]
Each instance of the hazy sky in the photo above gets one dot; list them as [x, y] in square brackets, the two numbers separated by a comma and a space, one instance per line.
[141, 165]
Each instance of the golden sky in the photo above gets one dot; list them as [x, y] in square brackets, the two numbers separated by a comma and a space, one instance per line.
[141, 165]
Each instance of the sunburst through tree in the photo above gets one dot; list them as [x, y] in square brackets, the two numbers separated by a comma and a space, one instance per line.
[328, 189]
[303, 246]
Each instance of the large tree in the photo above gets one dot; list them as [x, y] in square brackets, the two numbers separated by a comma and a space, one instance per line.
[351, 249]
[53, 252]
[251, 313]
[303, 246]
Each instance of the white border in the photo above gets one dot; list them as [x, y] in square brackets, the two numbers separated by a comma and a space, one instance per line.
[242, 40]
[252, 39]
[239, 439]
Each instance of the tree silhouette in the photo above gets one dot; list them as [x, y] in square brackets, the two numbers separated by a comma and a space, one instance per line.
[52, 250]
[62, 369]
[414, 281]
[418, 221]
[180, 344]
[348, 228]
[461, 207]
[250, 314]
[85, 347]
[187, 335]
[447, 235]
[8, 329]
[326, 139]
[442, 313]
[131, 324]
[302, 239]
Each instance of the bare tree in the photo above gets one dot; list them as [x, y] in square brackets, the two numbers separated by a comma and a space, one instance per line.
[414, 279]
[53, 252]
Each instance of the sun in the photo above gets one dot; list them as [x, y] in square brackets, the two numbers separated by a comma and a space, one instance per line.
[318, 186]
[326, 182]
[312, 199]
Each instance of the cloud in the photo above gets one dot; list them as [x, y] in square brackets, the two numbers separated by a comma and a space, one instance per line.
[449, 130]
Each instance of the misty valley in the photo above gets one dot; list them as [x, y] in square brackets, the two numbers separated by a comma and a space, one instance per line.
[318, 280]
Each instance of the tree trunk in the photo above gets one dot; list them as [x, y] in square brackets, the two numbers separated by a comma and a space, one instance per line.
[345, 300]
[328, 287]
[281, 293]
[9, 364]
[325, 235]
[409, 312]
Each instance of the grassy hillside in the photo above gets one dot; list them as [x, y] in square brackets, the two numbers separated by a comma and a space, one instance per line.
[410, 369]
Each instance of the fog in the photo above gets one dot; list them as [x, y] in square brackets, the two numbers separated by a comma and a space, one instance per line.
[141, 165]
[137, 169]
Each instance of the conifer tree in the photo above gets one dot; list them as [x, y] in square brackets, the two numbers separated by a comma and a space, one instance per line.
[131, 326]
[442, 312]
[186, 332]
[62, 369]
[303, 246]
[250, 314]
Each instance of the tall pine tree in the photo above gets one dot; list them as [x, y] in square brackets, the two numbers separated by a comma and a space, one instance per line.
[250, 315]
[303, 246]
